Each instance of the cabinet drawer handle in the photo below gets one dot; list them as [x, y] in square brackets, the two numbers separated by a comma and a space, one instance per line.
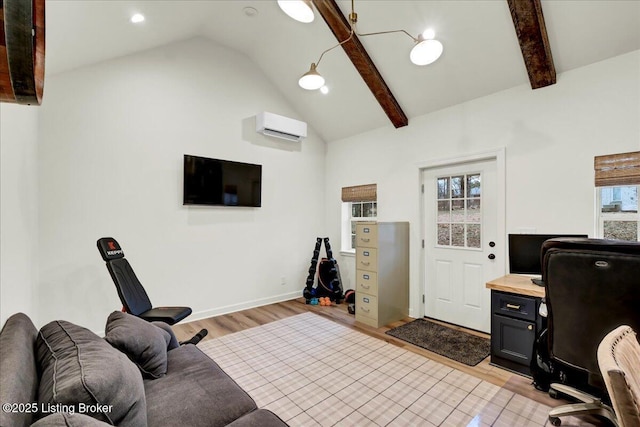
[530, 327]
[364, 263]
[366, 286]
[365, 240]
[366, 310]
[513, 306]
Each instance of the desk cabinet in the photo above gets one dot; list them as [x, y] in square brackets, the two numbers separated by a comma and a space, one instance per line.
[515, 324]
[382, 272]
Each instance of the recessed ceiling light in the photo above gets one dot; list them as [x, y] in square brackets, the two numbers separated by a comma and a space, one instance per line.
[137, 18]
[250, 11]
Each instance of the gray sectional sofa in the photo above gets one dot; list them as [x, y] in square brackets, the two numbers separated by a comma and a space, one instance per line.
[137, 375]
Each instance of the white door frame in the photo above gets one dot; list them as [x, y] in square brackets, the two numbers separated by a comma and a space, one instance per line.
[498, 155]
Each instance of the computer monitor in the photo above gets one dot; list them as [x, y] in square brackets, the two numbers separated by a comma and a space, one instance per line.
[524, 252]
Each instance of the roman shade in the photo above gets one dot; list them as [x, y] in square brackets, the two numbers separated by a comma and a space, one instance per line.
[360, 193]
[617, 169]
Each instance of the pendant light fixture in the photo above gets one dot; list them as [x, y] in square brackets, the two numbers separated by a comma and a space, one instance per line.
[300, 10]
[311, 80]
[426, 50]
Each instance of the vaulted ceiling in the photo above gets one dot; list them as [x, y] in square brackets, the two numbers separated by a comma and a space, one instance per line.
[482, 47]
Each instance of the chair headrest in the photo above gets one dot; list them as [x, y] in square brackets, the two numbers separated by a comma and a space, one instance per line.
[109, 248]
[601, 245]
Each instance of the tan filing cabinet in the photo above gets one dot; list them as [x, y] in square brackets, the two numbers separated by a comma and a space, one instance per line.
[382, 272]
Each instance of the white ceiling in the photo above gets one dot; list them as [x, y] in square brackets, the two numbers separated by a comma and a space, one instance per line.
[481, 51]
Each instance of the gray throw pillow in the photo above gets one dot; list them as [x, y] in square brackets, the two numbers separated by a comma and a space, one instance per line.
[144, 343]
[82, 373]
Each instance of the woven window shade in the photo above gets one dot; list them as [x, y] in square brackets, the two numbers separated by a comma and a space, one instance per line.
[360, 193]
[617, 169]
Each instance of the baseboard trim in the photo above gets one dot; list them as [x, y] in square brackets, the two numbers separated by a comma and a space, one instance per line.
[205, 314]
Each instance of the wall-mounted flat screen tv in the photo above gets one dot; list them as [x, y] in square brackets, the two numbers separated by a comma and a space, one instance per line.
[524, 251]
[216, 182]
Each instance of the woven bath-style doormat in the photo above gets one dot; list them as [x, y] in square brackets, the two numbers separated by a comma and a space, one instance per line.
[451, 343]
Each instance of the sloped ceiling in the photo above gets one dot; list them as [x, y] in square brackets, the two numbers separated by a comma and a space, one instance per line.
[481, 52]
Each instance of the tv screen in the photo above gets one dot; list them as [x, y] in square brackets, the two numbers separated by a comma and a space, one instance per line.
[216, 182]
[524, 251]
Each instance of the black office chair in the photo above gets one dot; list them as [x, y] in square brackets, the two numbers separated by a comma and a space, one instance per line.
[592, 286]
[132, 295]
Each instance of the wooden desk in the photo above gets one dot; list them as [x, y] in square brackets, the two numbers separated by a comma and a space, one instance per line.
[515, 322]
[516, 284]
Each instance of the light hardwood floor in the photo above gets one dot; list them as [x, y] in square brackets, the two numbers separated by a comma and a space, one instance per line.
[238, 321]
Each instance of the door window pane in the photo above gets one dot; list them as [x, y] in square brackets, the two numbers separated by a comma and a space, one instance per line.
[444, 235]
[443, 188]
[457, 186]
[457, 235]
[444, 211]
[356, 210]
[473, 185]
[473, 235]
[473, 211]
[457, 211]
[459, 215]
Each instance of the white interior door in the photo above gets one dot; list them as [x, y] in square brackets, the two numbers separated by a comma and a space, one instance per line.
[464, 244]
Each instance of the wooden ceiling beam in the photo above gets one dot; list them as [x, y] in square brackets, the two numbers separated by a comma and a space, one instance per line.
[534, 42]
[341, 29]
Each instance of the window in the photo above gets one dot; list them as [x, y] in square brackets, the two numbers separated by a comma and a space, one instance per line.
[360, 211]
[618, 212]
[617, 180]
[459, 216]
[359, 204]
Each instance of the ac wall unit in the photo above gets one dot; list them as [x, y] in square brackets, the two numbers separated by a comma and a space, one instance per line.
[280, 127]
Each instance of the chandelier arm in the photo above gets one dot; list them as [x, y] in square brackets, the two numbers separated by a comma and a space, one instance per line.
[351, 33]
[388, 32]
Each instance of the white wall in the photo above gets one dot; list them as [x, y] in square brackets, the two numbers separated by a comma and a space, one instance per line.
[105, 159]
[18, 210]
[112, 141]
[551, 136]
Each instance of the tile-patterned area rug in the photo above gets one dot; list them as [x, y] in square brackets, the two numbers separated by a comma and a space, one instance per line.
[315, 372]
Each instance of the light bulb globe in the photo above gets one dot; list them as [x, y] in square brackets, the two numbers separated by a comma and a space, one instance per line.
[300, 10]
[426, 52]
[137, 18]
[428, 34]
[311, 80]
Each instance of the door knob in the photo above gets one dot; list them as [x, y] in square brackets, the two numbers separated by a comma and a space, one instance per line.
[492, 256]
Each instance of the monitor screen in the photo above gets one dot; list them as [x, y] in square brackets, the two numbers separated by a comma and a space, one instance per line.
[524, 251]
[218, 182]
